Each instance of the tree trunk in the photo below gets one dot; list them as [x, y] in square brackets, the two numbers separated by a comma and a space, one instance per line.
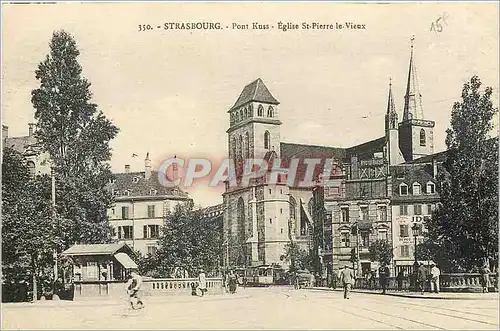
[34, 273]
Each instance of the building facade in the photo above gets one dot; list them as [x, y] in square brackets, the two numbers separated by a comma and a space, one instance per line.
[141, 206]
[347, 209]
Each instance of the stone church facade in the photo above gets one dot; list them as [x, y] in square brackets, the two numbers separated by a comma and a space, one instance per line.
[344, 211]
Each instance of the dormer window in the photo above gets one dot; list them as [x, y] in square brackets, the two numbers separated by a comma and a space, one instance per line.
[135, 179]
[417, 189]
[431, 188]
[126, 192]
[403, 189]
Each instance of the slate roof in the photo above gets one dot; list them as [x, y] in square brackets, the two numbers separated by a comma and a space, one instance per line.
[21, 144]
[366, 150]
[409, 174]
[96, 249]
[299, 151]
[137, 185]
[255, 91]
[213, 211]
[439, 157]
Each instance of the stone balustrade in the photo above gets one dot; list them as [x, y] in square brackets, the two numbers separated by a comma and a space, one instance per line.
[150, 287]
[453, 282]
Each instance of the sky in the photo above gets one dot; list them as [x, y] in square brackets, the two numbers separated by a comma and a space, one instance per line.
[168, 91]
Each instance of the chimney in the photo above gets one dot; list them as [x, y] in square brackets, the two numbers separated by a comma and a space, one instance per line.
[147, 167]
[127, 168]
[5, 132]
[434, 168]
[31, 127]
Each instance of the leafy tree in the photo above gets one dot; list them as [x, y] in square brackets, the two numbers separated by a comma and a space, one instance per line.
[465, 226]
[299, 259]
[76, 136]
[27, 226]
[189, 240]
[381, 251]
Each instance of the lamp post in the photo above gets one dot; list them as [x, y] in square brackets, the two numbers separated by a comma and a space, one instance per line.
[415, 229]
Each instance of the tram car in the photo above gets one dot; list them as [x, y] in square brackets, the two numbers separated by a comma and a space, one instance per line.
[265, 275]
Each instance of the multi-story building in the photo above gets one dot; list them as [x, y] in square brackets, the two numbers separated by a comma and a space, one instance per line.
[352, 206]
[38, 162]
[141, 205]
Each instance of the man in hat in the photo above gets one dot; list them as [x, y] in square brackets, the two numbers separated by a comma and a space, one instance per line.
[346, 279]
[203, 282]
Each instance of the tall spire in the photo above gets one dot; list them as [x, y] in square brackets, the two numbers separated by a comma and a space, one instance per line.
[413, 99]
[390, 102]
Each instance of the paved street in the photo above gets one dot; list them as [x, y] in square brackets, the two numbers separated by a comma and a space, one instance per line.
[275, 307]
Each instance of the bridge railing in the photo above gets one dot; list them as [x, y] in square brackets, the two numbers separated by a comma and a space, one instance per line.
[150, 287]
[451, 282]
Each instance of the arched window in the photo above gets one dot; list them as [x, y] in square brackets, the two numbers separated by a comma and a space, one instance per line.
[247, 146]
[250, 110]
[241, 114]
[241, 219]
[234, 148]
[310, 207]
[431, 188]
[246, 113]
[270, 111]
[422, 137]
[417, 190]
[240, 151]
[260, 111]
[267, 139]
[31, 168]
[293, 208]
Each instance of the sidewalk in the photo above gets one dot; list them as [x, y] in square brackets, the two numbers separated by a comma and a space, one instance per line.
[97, 302]
[426, 295]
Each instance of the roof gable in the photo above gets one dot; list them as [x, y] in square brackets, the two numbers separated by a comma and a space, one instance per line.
[97, 249]
[255, 91]
[137, 185]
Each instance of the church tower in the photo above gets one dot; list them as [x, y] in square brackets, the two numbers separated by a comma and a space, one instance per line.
[394, 155]
[416, 135]
[256, 215]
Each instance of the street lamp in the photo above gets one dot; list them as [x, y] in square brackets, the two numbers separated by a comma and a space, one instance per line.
[415, 229]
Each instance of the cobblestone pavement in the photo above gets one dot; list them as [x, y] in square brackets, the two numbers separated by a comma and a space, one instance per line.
[252, 308]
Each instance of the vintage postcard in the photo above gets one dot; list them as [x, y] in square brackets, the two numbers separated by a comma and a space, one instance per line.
[250, 165]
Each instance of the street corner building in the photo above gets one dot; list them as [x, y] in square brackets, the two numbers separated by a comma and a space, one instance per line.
[141, 207]
[376, 190]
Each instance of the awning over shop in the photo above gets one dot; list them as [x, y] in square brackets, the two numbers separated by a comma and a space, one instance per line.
[125, 261]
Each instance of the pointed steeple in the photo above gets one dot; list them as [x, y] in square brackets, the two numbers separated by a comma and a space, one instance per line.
[413, 99]
[391, 116]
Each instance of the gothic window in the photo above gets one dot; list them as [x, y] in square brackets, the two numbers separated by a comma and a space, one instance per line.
[310, 207]
[234, 148]
[241, 114]
[241, 219]
[267, 139]
[241, 146]
[270, 111]
[416, 189]
[31, 168]
[260, 111]
[250, 110]
[422, 137]
[246, 113]
[293, 208]
[247, 146]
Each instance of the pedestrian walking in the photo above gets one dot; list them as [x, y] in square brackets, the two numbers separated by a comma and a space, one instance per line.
[133, 286]
[485, 277]
[400, 278]
[383, 274]
[435, 273]
[232, 282]
[346, 279]
[202, 280]
[421, 277]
